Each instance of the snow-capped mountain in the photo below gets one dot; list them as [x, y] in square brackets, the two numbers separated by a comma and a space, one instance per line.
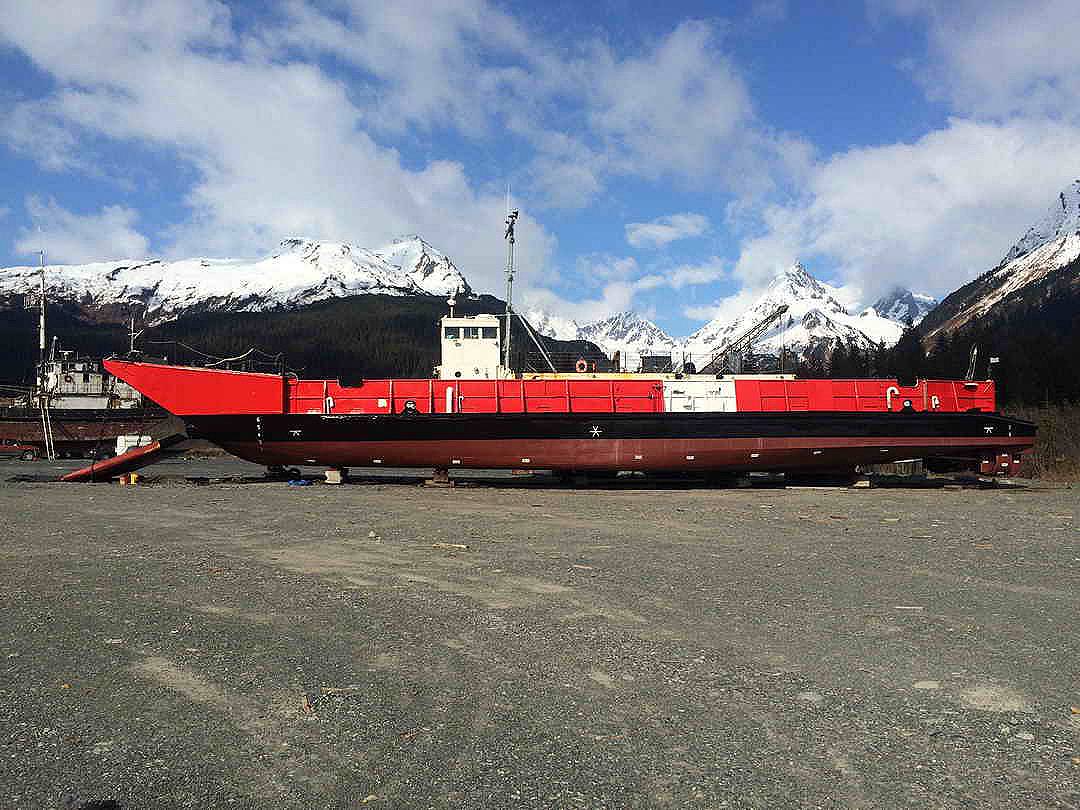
[551, 325]
[1061, 220]
[1039, 267]
[814, 324]
[627, 333]
[904, 306]
[301, 272]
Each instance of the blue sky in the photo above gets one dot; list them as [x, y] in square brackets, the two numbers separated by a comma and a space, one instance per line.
[668, 158]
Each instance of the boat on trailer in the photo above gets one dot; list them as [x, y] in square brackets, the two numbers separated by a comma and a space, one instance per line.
[476, 413]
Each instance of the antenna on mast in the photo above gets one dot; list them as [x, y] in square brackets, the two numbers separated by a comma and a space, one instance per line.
[133, 335]
[511, 219]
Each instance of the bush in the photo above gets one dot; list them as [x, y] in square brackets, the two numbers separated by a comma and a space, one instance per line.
[1056, 455]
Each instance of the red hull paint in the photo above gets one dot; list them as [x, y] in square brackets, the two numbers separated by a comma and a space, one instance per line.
[655, 454]
[187, 391]
[134, 459]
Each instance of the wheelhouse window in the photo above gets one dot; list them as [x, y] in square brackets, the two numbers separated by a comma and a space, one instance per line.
[472, 332]
[490, 332]
[451, 332]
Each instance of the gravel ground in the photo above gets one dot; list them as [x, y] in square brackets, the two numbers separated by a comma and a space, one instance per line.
[265, 645]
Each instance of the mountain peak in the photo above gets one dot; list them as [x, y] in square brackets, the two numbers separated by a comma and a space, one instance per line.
[796, 284]
[626, 332]
[1061, 219]
[902, 305]
[301, 272]
[798, 272]
[814, 323]
[795, 274]
[1026, 274]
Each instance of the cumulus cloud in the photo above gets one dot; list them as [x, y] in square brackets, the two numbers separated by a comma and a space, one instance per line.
[427, 57]
[684, 275]
[615, 282]
[73, 238]
[277, 146]
[673, 106]
[665, 230]
[999, 57]
[676, 108]
[931, 214]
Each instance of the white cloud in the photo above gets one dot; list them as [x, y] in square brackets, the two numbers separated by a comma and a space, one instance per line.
[766, 12]
[1000, 57]
[74, 238]
[594, 268]
[685, 275]
[282, 147]
[620, 281]
[615, 296]
[676, 108]
[665, 230]
[934, 213]
[929, 215]
[277, 145]
[728, 308]
[32, 129]
[426, 56]
[680, 108]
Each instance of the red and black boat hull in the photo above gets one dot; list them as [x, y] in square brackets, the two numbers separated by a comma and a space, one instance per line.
[721, 441]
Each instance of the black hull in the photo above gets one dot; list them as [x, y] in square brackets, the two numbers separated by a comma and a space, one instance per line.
[605, 441]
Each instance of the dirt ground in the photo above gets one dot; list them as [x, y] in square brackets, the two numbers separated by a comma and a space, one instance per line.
[172, 645]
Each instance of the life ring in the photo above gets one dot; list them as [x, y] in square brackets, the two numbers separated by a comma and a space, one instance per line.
[581, 366]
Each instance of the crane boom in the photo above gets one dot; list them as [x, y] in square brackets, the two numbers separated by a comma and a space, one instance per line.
[728, 356]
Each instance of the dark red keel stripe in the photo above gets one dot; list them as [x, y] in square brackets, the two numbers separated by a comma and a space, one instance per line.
[625, 454]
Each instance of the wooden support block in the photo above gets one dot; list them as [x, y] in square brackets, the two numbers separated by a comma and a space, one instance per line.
[337, 475]
[440, 477]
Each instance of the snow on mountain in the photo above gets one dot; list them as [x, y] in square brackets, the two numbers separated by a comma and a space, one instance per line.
[626, 332]
[1028, 271]
[551, 325]
[815, 322]
[1061, 220]
[903, 306]
[429, 269]
[629, 334]
[301, 272]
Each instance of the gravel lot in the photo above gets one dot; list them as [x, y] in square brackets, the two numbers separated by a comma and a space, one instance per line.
[265, 645]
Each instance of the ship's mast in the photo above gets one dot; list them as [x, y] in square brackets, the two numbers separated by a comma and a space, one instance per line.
[511, 218]
[43, 395]
[133, 335]
[41, 326]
